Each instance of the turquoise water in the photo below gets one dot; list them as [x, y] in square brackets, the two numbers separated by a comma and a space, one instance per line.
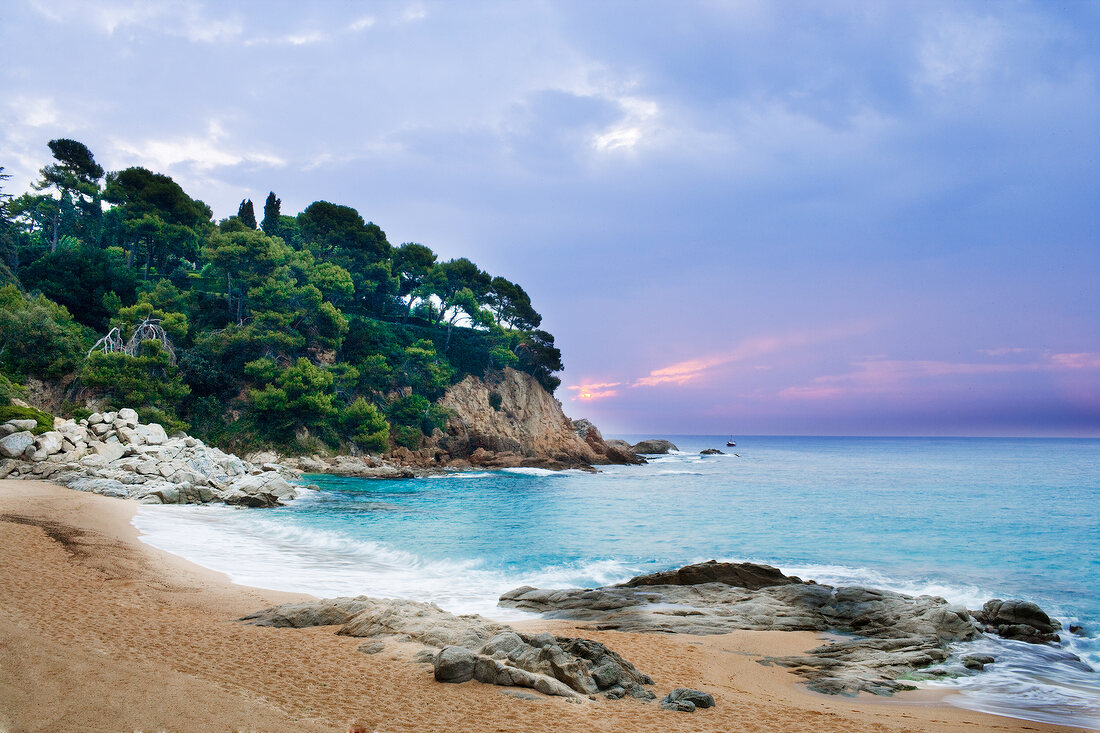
[966, 519]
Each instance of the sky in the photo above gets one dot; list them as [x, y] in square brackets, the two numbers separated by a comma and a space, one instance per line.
[834, 218]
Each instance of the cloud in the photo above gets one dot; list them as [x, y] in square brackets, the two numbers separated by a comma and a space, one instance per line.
[595, 391]
[367, 21]
[184, 19]
[876, 376]
[34, 111]
[203, 153]
[693, 369]
[638, 118]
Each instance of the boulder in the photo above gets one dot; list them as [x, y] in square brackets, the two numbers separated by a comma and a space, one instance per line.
[95, 419]
[50, 442]
[128, 416]
[455, 664]
[711, 452]
[743, 575]
[153, 433]
[16, 444]
[697, 698]
[267, 482]
[109, 451]
[105, 486]
[327, 612]
[23, 424]
[654, 446]
[1017, 619]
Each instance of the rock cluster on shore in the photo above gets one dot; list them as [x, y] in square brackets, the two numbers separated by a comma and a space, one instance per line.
[469, 647]
[112, 453]
[896, 634]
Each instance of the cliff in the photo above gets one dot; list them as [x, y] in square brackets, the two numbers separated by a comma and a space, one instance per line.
[508, 419]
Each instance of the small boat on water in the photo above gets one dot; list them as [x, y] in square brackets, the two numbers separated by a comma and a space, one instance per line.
[730, 443]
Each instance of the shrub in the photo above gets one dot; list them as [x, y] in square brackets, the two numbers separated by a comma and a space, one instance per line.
[15, 412]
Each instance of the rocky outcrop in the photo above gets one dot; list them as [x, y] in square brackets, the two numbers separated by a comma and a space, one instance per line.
[654, 446]
[1016, 619]
[526, 428]
[711, 452]
[896, 634]
[471, 647]
[743, 575]
[115, 454]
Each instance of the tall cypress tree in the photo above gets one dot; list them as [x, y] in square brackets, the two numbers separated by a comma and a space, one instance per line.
[247, 214]
[272, 210]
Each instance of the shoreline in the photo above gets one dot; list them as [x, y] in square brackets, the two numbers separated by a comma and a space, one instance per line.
[115, 634]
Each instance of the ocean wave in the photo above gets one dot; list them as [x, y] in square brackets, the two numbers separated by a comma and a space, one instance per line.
[265, 550]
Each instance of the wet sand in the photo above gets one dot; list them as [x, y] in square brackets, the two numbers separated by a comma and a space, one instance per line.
[100, 632]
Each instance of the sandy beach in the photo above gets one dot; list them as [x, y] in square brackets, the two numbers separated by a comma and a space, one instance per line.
[100, 632]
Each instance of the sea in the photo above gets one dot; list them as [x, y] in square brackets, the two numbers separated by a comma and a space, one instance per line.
[967, 519]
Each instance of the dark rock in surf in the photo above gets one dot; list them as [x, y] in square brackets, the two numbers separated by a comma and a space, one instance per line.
[1019, 620]
[654, 446]
[742, 575]
[711, 452]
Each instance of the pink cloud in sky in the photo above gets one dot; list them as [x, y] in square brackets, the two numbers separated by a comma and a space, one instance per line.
[594, 391]
[694, 369]
[883, 375]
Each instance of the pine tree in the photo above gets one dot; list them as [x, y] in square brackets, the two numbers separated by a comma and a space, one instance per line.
[272, 207]
[247, 214]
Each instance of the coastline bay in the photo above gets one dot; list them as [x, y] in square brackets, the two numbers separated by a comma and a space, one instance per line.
[966, 519]
[113, 634]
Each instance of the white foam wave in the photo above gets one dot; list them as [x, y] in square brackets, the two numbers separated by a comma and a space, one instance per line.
[265, 550]
[462, 475]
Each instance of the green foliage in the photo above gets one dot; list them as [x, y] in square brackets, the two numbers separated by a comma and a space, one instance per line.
[10, 390]
[148, 381]
[38, 337]
[270, 222]
[247, 214]
[298, 396]
[15, 412]
[79, 277]
[307, 332]
[415, 411]
[365, 426]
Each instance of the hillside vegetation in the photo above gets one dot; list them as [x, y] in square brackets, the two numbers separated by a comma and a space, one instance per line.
[304, 332]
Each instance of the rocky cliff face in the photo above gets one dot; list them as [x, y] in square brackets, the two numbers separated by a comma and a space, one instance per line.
[508, 419]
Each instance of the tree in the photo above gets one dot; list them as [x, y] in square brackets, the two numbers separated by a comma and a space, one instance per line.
[270, 223]
[38, 338]
[412, 263]
[75, 175]
[147, 381]
[540, 358]
[299, 396]
[511, 305]
[338, 234]
[364, 425]
[247, 214]
[158, 219]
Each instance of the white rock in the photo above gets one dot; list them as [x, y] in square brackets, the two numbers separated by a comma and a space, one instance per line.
[14, 445]
[109, 417]
[153, 433]
[95, 418]
[24, 424]
[109, 451]
[101, 429]
[128, 415]
[49, 442]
